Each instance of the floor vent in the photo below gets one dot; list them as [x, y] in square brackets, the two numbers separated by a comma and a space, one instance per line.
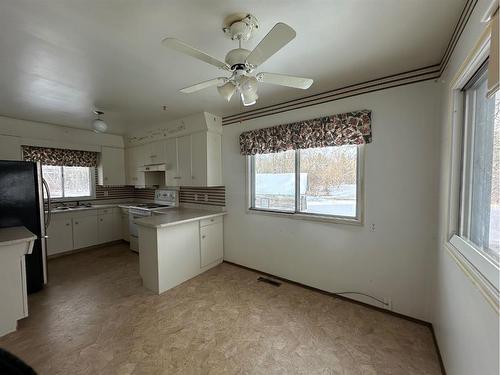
[269, 281]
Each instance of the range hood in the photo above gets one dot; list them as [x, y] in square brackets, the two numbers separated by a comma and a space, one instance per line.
[152, 168]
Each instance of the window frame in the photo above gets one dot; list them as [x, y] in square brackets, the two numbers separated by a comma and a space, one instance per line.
[482, 271]
[92, 184]
[296, 214]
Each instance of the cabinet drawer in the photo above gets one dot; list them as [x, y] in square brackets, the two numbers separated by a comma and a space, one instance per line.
[83, 213]
[110, 210]
[211, 220]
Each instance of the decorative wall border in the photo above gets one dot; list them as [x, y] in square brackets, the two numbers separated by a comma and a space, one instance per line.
[390, 81]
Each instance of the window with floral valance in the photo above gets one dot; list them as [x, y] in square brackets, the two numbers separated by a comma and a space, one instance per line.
[60, 156]
[351, 128]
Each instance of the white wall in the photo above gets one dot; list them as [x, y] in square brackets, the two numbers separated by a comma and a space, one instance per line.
[51, 135]
[466, 326]
[400, 198]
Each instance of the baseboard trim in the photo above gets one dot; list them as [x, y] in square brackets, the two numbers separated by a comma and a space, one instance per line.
[350, 300]
[71, 252]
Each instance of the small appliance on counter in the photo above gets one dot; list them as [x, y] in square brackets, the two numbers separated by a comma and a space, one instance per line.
[164, 199]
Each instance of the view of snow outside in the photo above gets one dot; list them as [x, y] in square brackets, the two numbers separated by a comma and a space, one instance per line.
[67, 182]
[327, 181]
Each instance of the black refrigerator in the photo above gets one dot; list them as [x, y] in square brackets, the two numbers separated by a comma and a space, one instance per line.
[22, 204]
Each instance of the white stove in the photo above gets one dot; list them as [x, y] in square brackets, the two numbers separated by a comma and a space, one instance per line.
[164, 199]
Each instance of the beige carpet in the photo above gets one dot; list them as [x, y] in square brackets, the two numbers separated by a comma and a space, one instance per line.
[95, 318]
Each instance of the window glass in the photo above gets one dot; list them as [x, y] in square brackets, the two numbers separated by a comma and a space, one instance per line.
[274, 181]
[53, 175]
[76, 182]
[328, 180]
[480, 213]
[68, 182]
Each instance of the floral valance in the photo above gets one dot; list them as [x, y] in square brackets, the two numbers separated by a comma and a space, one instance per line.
[60, 156]
[351, 128]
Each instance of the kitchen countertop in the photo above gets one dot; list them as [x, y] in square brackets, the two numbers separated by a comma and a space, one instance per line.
[13, 235]
[55, 210]
[175, 216]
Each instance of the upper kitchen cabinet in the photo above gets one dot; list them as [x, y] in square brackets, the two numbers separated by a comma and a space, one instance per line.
[10, 148]
[135, 158]
[155, 153]
[111, 168]
[194, 160]
[206, 159]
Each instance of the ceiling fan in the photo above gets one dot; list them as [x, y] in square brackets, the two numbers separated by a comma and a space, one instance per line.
[241, 62]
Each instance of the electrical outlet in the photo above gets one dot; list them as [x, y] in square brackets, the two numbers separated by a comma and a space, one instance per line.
[195, 197]
[206, 197]
[372, 227]
[106, 193]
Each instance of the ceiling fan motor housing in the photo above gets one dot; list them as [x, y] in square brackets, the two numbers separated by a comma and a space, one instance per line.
[236, 58]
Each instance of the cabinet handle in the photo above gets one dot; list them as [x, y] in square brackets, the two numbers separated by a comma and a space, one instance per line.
[203, 236]
[101, 220]
[76, 222]
[177, 178]
[67, 224]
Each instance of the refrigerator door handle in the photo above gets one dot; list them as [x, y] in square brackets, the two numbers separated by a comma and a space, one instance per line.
[49, 204]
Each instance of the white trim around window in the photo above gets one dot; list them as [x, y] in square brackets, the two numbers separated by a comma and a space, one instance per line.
[357, 220]
[482, 270]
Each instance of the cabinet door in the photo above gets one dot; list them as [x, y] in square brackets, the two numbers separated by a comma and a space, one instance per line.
[211, 246]
[112, 166]
[156, 152]
[60, 235]
[135, 159]
[184, 160]
[172, 177]
[85, 231]
[10, 148]
[125, 227]
[110, 227]
[199, 159]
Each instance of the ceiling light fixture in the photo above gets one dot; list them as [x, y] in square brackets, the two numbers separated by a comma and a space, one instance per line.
[248, 90]
[99, 125]
[227, 90]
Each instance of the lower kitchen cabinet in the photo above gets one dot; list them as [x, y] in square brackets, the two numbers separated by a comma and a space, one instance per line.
[75, 230]
[125, 225]
[211, 237]
[59, 235]
[85, 231]
[110, 225]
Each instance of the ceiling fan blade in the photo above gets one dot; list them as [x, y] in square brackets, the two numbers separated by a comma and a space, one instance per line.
[285, 80]
[203, 85]
[186, 49]
[279, 36]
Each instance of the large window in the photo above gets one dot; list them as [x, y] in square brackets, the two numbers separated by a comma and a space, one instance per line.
[479, 215]
[317, 182]
[69, 182]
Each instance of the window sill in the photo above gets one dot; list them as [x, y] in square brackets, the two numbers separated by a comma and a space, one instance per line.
[487, 287]
[307, 217]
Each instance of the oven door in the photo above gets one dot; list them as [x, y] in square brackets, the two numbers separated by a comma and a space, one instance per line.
[133, 228]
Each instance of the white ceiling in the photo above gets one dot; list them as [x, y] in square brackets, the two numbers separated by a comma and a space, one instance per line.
[61, 59]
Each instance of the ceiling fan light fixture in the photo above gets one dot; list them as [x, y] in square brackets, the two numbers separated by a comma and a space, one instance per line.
[248, 98]
[227, 90]
[99, 125]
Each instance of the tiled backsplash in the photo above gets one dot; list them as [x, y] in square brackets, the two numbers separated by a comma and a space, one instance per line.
[114, 192]
[213, 196]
